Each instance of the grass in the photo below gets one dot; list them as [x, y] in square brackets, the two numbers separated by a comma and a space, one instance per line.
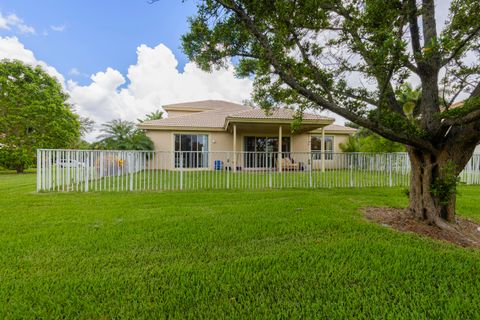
[238, 254]
[207, 179]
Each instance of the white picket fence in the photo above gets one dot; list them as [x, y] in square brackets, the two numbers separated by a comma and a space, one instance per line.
[102, 170]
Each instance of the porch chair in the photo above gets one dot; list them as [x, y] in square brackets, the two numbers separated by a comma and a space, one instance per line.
[288, 165]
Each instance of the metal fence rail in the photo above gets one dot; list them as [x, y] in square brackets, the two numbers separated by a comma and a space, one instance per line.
[102, 170]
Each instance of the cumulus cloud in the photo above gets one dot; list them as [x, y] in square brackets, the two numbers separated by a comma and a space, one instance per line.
[12, 48]
[151, 82]
[12, 21]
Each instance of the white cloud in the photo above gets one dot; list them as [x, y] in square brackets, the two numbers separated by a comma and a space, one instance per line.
[59, 28]
[13, 21]
[12, 48]
[150, 83]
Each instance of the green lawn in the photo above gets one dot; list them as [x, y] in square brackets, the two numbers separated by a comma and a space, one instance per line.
[216, 254]
[157, 180]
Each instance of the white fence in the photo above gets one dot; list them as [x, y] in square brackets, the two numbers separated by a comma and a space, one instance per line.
[102, 170]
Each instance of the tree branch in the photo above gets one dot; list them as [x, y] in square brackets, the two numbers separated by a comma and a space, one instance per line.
[476, 91]
[414, 29]
[306, 59]
[460, 46]
[287, 77]
[386, 86]
[429, 23]
[467, 119]
[470, 117]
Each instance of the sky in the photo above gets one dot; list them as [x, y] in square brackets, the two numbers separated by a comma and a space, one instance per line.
[119, 59]
[92, 35]
[116, 59]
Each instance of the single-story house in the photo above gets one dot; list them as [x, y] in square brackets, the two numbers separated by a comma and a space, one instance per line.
[206, 134]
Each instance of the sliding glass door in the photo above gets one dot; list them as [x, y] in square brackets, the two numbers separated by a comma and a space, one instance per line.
[262, 152]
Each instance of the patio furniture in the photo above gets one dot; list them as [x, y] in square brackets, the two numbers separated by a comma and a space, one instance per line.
[287, 164]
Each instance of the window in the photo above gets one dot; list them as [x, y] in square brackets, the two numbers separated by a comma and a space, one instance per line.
[316, 147]
[262, 152]
[191, 150]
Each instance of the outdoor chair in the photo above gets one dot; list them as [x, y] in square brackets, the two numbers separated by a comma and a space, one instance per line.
[287, 164]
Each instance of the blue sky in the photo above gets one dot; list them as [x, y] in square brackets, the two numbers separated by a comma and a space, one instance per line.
[98, 34]
[115, 59]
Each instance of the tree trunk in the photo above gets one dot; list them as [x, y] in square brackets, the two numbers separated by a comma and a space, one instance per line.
[19, 169]
[426, 202]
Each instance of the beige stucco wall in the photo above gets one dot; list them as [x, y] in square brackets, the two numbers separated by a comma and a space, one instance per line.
[221, 143]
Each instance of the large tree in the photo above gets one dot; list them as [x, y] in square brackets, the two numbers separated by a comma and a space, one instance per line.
[34, 113]
[350, 57]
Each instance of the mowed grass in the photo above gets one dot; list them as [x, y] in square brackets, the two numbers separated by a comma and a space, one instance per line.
[218, 254]
[158, 180]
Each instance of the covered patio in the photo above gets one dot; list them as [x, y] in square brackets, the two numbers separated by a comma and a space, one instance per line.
[267, 141]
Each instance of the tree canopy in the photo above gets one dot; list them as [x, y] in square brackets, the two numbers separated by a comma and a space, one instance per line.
[34, 113]
[351, 57]
[122, 135]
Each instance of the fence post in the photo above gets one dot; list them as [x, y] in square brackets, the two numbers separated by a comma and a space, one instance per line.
[131, 168]
[87, 169]
[39, 170]
[270, 158]
[227, 171]
[351, 159]
[309, 168]
[390, 168]
[181, 170]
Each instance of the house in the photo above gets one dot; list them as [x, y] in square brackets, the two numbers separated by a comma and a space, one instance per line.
[214, 134]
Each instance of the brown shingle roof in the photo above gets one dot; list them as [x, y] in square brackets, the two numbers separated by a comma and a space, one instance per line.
[217, 112]
[213, 117]
[279, 114]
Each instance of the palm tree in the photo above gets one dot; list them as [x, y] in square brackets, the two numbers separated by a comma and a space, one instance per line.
[122, 135]
[155, 115]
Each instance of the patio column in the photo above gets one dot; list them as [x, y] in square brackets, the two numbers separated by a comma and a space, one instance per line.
[323, 149]
[279, 161]
[234, 148]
